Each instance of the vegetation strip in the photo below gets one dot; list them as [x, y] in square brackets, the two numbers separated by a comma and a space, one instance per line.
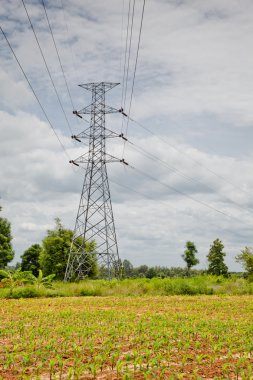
[15, 286]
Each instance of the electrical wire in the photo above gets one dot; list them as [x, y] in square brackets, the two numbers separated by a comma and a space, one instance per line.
[70, 49]
[182, 174]
[179, 192]
[125, 55]
[135, 68]
[46, 65]
[159, 201]
[35, 95]
[205, 204]
[129, 118]
[129, 54]
[58, 55]
[188, 156]
[121, 38]
[137, 56]
[68, 34]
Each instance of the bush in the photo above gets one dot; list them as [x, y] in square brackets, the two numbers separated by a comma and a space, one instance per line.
[183, 286]
[26, 292]
[90, 292]
[187, 289]
[250, 278]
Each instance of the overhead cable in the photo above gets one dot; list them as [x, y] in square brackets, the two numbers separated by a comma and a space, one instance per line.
[135, 68]
[157, 200]
[182, 174]
[125, 55]
[46, 65]
[35, 95]
[72, 52]
[188, 156]
[121, 39]
[129, 55]
[188, 196]
[58, 55]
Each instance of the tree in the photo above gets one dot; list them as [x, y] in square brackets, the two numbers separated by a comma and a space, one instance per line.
[55, 251]
[151, 273]
[30, 259]
[189, 255]
[127, 268]
[6, 251]
[215, 258]
[246, 259]
[141, 271]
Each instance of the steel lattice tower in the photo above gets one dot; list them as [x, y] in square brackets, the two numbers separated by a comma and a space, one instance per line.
[95, 221]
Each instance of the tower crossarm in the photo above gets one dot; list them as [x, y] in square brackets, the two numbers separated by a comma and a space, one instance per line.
[107, 133]
[85, 159]
[90, 108]
[102, 86]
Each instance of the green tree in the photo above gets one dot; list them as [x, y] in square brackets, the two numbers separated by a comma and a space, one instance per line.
[55, 251]
[141, 271]
[127, 268]
[6, 251]
[215, 258]
[30, 259]
[189, 255]
[246, 259]
[151, 273]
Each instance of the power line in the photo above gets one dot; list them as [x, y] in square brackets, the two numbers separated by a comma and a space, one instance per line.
[136, 61]
[188, 156]
[183, 175]
[180, 192]
[129, 118]
[183, 193]
[45, 62]
[156, 200]
[121, 39]
[125, 55]
[70, 47]
[58, 55]
[188, 196]
[68, 35]
[129, 53]
[135, 68]
[35, 95]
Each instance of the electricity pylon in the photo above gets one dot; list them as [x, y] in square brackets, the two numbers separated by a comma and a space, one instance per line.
[95, 221]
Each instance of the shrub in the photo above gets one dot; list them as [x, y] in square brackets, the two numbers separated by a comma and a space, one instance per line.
[26, 292]
[90, 292]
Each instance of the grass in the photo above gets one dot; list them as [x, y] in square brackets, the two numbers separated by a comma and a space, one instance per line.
[151, 337]
[198, 285]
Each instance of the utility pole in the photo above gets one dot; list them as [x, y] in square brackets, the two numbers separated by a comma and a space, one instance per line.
[95, 222]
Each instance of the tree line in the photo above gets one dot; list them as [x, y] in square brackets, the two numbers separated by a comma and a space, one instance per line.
[51, 257]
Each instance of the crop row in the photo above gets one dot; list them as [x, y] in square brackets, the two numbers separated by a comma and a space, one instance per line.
[127, 338]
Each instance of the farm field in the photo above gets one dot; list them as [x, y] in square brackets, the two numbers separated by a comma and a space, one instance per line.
[176, 337]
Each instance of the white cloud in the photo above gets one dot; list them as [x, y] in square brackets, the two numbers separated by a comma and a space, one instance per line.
[9, 90]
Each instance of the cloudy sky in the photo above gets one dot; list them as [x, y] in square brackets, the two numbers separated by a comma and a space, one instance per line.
[192, 131]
